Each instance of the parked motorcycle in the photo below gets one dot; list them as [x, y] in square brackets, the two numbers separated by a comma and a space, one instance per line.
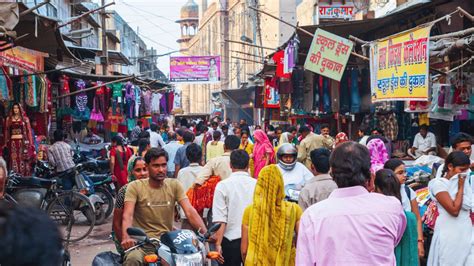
[175, 248]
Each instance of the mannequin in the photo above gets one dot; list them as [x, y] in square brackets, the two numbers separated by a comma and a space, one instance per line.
[19, 141]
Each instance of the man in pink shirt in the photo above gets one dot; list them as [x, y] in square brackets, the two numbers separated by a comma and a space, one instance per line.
[352, 226]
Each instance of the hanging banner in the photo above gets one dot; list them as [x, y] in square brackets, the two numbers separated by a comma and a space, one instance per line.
[272, 98]
[24, 58]
[328, 54]
[399, 66]
[195, 69]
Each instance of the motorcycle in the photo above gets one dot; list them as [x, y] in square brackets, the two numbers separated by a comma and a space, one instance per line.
[105, 189]
[175, 248]
[292, 192]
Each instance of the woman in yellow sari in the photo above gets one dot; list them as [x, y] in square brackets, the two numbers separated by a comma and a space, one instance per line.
[248, 147]
[269, 223]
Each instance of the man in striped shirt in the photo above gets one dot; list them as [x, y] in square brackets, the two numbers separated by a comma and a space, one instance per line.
[60, 156]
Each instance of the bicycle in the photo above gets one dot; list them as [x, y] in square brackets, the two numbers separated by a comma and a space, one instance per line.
[68, 209]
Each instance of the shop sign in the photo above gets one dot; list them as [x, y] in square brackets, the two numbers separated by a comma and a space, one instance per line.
[328, 54]
[336, 11]
[399, 66]
[195, 69]
[23, 58]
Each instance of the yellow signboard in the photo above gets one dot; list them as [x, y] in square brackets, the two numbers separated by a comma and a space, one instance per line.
[328, 54]
[399, 66]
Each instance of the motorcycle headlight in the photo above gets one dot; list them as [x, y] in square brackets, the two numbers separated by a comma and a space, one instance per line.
[188, 259]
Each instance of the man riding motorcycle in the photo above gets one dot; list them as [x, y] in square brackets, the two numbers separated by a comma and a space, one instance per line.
[295, 174]
[150, 205]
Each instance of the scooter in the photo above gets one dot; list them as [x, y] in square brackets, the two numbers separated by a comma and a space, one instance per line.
[176, 248]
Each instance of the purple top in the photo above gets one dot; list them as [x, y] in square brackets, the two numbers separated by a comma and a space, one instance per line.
[351, 227]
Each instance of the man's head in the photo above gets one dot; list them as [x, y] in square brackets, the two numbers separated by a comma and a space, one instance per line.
[28, 237]
[325, 130]
[362, 131]
[194, 153]
[286, 156]
[231, 143]
[239, 161]
[462, 142]
[225, 130]
[216, 135]
[214, 125]
[237, 131]
[171, 136]
[304, 131]
[292, 131]
[278, 132]
[320, 161]
[424, 130]
[349, 165]
[188, 136]
[58, 135]
[179, 134]
[243, 122]
[139, 123]
[154, 127]
[376, 132]
[144, 135]
[156, 160]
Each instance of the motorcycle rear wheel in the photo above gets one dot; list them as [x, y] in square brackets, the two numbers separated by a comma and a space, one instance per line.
[73, 213]
[108, 199]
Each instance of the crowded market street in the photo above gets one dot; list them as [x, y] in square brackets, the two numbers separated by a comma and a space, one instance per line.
[235, 132]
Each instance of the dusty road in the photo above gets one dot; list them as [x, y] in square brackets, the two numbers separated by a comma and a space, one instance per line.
[84, 251]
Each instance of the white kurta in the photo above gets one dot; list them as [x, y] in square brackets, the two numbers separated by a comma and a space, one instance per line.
[451, 243]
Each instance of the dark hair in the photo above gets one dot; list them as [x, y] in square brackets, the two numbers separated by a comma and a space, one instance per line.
[155, 153]
[271, 128]
[304, 129]
[171, 136]
[320, 160]
[239, 159]
[180, 132]
[456, 158]
[232, 142]
[194, 153]
[291, 129]
[363, 129]
[388, 183]
[225, 127]
[423, 127]
[58, 135]
[325, 126]
[138, 158]
[188, 136]
[28, 236]
[154, 127]
[139, 123]
[378, 130]
[216, 135]
[118, 139]
[244, 132]
[460, 137]
[214, 123]
[144, 135]
[350, 165]
[393, 164]
[278, 129]
[142, 145]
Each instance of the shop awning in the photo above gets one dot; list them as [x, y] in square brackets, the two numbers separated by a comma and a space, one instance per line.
[115, 57]
[41, 33]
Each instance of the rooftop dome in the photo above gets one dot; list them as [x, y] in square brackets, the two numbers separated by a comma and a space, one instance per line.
[190, 10]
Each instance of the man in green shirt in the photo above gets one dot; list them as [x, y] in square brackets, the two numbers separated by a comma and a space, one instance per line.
[150, 205]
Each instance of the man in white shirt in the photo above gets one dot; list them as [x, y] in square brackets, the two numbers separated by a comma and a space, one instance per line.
[171, 148]
[156, 141]
[187, 176]
[231, 197]
[294, 173]
[423, 144]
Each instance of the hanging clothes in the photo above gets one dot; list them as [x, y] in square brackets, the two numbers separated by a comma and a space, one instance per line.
[146, 103]
[335, 96]
[355, 96]
[365, 93]
[4, 89]
[29, 89]
[316, 90]
[326, 95]
[129, 100]
[138, 99]
[155, 103]
[279, 57]
[389, 124]
[308, 90]
[345, 93]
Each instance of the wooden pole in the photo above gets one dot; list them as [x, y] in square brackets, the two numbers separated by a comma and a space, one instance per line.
[303, 30]
[95, 87]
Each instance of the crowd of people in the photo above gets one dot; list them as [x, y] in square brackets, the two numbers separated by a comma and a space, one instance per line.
[353, 208]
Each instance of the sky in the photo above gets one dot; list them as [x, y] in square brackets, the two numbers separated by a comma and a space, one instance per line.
[155, 20]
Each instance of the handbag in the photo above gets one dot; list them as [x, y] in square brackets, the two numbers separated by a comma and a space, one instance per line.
[431, 214]
[96, 115]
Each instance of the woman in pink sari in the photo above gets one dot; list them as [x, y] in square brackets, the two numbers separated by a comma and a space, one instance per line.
[378, 157]
[263, 153]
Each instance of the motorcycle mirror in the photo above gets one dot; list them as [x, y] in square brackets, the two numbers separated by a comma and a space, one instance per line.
[137, 234]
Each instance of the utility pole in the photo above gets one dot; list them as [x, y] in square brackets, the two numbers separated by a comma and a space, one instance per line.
[104, 60]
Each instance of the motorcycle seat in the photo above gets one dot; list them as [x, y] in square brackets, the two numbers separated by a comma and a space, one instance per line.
[35, 182]
[70, 172]
[103, 164]
[96, 178]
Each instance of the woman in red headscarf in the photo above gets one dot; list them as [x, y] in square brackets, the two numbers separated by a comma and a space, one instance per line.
[263, 152]
[19, 141]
